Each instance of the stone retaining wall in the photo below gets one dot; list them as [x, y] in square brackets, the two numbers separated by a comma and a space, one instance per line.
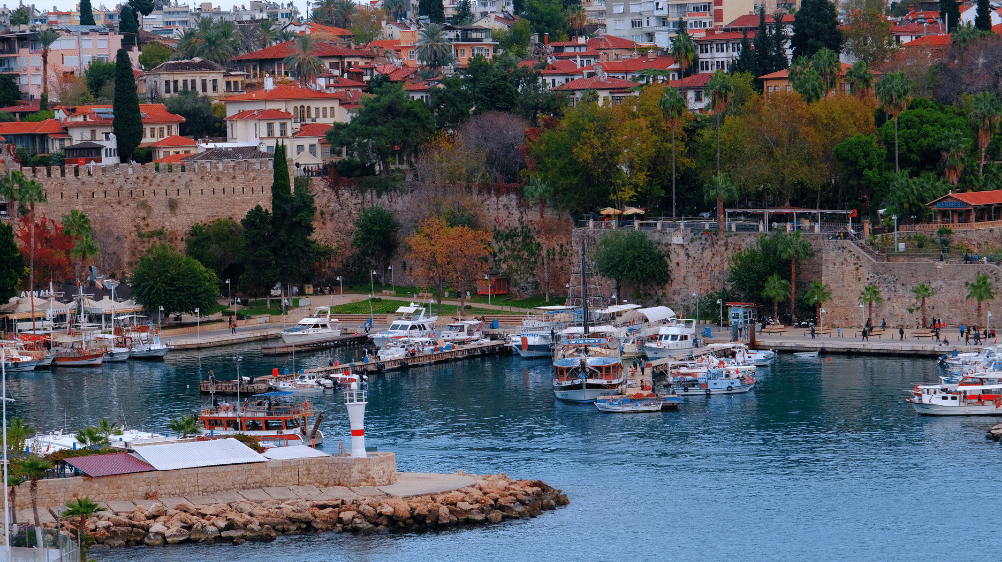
[379, 469]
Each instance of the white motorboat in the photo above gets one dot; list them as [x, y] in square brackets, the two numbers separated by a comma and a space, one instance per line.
[14, 361]
[148, 346]
[407, 347]
[638, 403]
[967, 400]
[530, 344]
[412, 324]
[462, 331]
[678, 334]
[113, 353]
[316, 327]
[717, 380]
[305, 381]
[806, 354]
[46, 443]
[587, 364]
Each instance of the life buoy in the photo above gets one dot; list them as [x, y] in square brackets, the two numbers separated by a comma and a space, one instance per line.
[707, 392]
[730, 388]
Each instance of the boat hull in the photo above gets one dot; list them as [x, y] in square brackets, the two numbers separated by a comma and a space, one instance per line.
[21, 366]
[638, 406]
[150, 354]
[78, 361]
[988, 409]
[299, 338]
[584, 394]
[118, 355]
[709, 390]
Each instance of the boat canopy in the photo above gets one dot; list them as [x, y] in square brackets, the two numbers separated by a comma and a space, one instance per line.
[276, 393]
[556, 307]
[617, 308]
[656, 314]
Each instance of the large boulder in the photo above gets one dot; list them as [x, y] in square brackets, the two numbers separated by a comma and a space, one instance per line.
[347, 517]
[154, 539]
[155, 510]
[175, 535]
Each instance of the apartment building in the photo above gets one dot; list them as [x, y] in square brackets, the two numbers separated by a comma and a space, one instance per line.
[655, 22]
[200, 75]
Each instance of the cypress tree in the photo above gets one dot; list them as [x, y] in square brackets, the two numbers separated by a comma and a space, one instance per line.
[777, 56]
[292, 223]
[129, 21]
[983, 19]
[816, 27]
[128, 123]
[86, 13]
[949, 11]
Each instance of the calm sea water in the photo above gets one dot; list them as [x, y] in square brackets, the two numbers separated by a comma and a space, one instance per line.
[823, 461]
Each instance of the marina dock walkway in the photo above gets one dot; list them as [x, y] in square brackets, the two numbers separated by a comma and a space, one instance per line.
[883, 342]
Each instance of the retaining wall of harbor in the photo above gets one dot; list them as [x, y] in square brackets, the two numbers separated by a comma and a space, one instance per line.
[378, 469]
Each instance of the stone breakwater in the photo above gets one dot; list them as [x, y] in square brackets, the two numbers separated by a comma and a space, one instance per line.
[492, 499]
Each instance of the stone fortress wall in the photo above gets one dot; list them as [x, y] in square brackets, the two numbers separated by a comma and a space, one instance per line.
[378, 469]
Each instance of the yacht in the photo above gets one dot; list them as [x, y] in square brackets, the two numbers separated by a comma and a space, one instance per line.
[678, 334]
[462, 331]
[587, 364]
[412, 324]
[316, 327]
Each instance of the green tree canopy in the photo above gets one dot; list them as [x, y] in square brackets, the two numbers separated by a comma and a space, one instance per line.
[200, 120]
[949, 12]
[154, 54]
[99, 74]
[13, 268]
[434, 9]
[776, 289]
[260, 273]
[982, 289]
[815, 26]
[219, 246]
[375, 236]
[632, 257]
[128, 123]
[920, 133]
[86, 13]
[128, 21]
[165, 278]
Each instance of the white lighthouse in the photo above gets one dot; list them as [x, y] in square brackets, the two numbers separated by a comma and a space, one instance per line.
[354, 400]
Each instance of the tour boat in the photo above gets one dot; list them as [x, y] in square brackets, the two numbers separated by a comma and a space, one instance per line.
[588, 364]
[966, 400]
[638, 402]
[412, 324]
[679, 334]
[316, 327]
[77, 355]
[463, 331]
[267, 416]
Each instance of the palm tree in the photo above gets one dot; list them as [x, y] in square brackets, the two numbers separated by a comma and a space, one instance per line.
[776, 289]
[15, 477]
[90, 437]
[16, 187]
[828, 66]
[719, 189]
[433, 48]
[871, 295]
[302, 63]
[18, 433]
[395, 8]
[46, 37]
[78, 226]
[185, 425]
[323, 12]
[720, 87]
[794, 248]
[986, 111]
[953, 148]
[683, 50]
[860, 79]
[576, 19]
[819, 294]
[108, 428]
[893, 91]
[923, 291]
[981, 289]
[343, 13]
[34, 468]
[267, 31]
[673, 106]
[82, 508]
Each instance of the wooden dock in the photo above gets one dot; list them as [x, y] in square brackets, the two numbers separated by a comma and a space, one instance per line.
[339, 341]
[454, 354]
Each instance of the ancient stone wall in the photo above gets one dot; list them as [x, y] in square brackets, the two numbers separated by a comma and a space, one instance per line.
[378, 469]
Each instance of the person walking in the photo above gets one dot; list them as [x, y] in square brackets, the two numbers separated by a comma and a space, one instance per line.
[977, 337]
[901, 334]
[937, 334]
[865, 336]
[233, 325]
[961, 331]
[967, 337]
[883, 324]
[812, 332]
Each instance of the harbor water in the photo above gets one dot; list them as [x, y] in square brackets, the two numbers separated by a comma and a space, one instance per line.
[823, 461]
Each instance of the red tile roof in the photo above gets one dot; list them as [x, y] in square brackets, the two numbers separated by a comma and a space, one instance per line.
[724, 36]
[342, 82]
[576, 54]
[153, 113]
[610, 42]
[174, 140]
[108, 465]
[313, 130]
[282, 93]
[401, 74]
[318, 28]
[635, 64]
[976, 198]
[596, 83]
[694, 81]
[321, 49]
[751, 20]
[47, 127]
[260, 114]
[930, 40]
[421, 86]
[174, 159]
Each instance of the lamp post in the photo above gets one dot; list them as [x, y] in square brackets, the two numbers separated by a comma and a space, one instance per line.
[198, 326]
[237, 360]
[615, 297]
[895, 217]
[229, 295]
[488, 279]
[988, 328]
[864, 314]
[720, 304]
[372, 289]
[568, 295]
[6, 507]
[392, 283]
[160, 316]
[821, 320]
[340, 283]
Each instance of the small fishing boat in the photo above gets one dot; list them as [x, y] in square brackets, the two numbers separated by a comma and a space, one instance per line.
[967, 400]
[113, 353]
[316, 327]
[305, 381]
[267, 416]
[807, 354]
[717, 380]
[638, 402]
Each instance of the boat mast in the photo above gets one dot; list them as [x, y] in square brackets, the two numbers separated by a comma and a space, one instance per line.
[584, 289]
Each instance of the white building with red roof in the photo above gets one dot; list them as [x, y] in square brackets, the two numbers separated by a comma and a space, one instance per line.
[309, 147]
[278, 112]
[271, 60]
[43, 137]
[718, 50]
[94, 122]
[615, 90]
[174, 144]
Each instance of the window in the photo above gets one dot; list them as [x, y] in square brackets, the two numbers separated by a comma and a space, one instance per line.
[93, 134]
[704, 66]
[227, 85]
[462, 53]
[313, 150]
[309, 114]
[166, 86]
[620, 24]
[326, 152]
[618, 8]
[86, 43]
[299, 149]
[102, 43]
[175, 87]
[636, 23]
[215, 85]
[233, 130]
[698, 96]
[704, 48]
[205, 85]
[720, 47]
[410, 54]
[269, 130]
[153, 133]
[184, 85]
[271, 149]
[281, 129]
[161, 131]
[170, 130]
[324, 111]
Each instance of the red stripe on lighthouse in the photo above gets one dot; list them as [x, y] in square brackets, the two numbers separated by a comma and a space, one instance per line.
[357, 432]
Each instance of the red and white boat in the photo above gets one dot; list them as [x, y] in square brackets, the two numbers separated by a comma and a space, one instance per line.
[267, 416]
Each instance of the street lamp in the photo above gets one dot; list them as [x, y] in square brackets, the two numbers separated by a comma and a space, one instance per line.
[340, 282]
[988, 328]
[720, 304]
[864, 314]
[6, 507]
[229, 295]
[568, 295]
[160, 316]
[488, 279]
[237, 360]
[696, 298]
[372, 288]
[821, 320]
[198, 326]
[615, 297]
[895, 217]
[392, 283]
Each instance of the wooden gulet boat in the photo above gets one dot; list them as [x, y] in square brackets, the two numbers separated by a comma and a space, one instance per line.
[266, 416]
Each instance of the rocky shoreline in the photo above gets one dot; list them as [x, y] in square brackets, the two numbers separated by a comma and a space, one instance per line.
[492, 499]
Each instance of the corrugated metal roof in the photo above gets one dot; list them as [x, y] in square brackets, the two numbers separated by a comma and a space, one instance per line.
[107, 465]
[218, 452]
[293, 452]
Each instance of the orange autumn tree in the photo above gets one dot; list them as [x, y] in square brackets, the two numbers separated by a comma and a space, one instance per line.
[449, 255]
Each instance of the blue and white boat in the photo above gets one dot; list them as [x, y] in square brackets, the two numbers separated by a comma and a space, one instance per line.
[638, 403]
[588, 364]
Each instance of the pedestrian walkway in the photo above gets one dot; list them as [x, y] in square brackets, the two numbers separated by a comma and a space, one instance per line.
[849, 340]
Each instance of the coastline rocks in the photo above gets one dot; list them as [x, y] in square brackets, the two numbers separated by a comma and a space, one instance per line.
[491, 500]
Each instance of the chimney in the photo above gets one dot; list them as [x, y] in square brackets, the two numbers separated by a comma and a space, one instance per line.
[546, 38]
[269, 82]
[581, 39]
